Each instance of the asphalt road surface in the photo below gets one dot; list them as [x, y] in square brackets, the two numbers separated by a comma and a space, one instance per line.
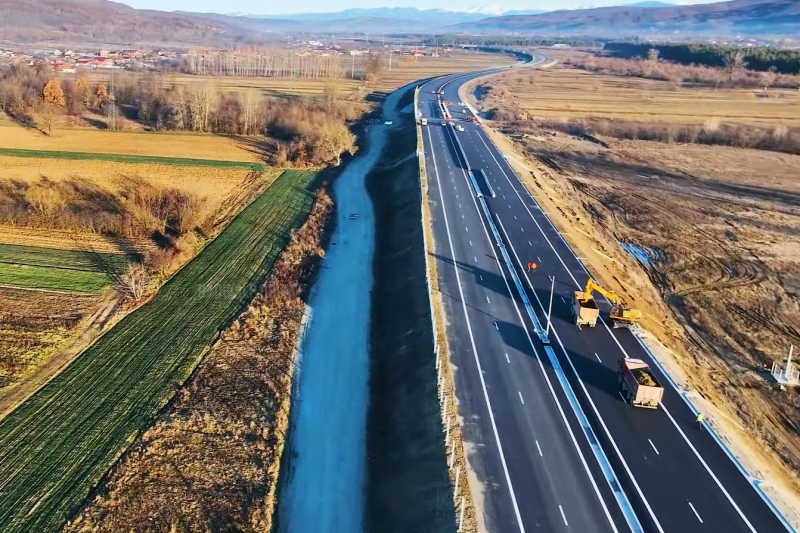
[551, 440]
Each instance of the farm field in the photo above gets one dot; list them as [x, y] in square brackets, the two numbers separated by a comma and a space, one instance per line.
[718, 227]
[58, 270]
[47, 467]
[557, 94]
[166, 145]
[35, 325]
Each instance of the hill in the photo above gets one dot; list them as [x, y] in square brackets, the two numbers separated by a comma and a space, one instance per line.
[766, 17]
[109, 23]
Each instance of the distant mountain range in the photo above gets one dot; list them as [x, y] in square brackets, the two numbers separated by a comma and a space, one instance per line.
[763, 17]
[75, 22]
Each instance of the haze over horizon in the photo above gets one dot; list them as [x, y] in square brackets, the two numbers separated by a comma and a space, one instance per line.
[254, 7]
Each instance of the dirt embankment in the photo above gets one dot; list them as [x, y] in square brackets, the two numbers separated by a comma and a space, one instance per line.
[408, 487]
[211, 461]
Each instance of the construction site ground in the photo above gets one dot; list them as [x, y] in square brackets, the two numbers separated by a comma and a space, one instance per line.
[702, 239]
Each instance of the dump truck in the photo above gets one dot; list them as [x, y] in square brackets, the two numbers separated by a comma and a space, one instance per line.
[584, 309]
[638, 385]
[621, 315]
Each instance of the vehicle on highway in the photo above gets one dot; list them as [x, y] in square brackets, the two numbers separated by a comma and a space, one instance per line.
[585, 310]
[459, 127]
[423, 122]
[444, 123]
[638, 385]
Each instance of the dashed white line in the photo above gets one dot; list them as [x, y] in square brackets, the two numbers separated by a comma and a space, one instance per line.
[515, 217]
[598, 357]
[523, 230]
[507, 360]
[466, 228]
[695, 511]
[539, 448]
[462, 216]
[470, 243]
[496, 327]
[537, 257]
[655, 450]
[487, 301]
[520, 397]
[529, 244]
[562, 299]
[563, 516]
[475, 258]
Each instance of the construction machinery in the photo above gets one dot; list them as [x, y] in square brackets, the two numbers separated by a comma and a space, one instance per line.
[585, 310]
[638, 386]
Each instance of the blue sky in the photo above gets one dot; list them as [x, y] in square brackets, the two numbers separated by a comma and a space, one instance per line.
[261, 7]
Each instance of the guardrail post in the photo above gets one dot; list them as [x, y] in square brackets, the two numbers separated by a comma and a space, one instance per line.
[461, 517]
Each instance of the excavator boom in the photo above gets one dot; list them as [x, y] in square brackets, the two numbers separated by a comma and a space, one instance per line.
[621, 315]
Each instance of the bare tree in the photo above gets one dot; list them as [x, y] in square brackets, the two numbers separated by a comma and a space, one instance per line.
[768, 78]
[334, 140]
[649, 64]
[734, 63]
[134, 282]
[49, 117]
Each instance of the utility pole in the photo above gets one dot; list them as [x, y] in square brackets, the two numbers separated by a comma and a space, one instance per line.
[353, 69]
[390, 60]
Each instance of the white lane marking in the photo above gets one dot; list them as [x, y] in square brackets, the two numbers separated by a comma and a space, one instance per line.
[466, 228]
[470, 243]
[598, 357]
[529, 244]
[459, 206]
[695, 511]
[475, 350]
[541, 365]
[520, 397]
[539, 448]
[708, 469]
[655, 449]
[563, 516]
[515, 217]
[537, 257]
[602, 422]
[475, 258]
[462, 216]
[487, 301]
[562, 299]
[495, 326]
[591, 402]
[481, 277]
[509, 206]
[523, 230]
[507, 361]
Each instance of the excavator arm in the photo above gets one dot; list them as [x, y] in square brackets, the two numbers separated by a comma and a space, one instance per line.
[591, 285]
[621, 314]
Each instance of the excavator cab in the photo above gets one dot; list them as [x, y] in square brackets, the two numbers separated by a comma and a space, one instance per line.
[621, 315]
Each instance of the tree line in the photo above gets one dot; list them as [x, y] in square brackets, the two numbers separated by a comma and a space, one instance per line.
[300, 131]
[760, 58]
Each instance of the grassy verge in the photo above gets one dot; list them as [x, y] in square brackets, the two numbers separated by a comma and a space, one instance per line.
[64, 259]
[140, 159]
[34, 277]
[57, 446]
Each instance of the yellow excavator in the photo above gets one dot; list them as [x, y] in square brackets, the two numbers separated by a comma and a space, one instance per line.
[585, 310]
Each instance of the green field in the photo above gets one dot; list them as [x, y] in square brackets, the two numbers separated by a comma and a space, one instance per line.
[33, 277]
[56, 446]
[138, 159]
[67, 259]
[61, 270]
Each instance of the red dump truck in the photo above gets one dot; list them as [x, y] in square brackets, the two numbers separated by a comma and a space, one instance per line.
[638, 385]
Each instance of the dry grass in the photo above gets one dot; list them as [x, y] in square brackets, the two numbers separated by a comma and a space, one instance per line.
[721, 295]
[566, 93]
[34, 326]
[184, 145]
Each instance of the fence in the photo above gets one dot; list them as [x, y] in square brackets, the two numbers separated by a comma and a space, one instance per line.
[466, 518]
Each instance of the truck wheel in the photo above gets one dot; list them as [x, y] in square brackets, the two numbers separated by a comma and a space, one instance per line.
[619, 380]
[630, 397]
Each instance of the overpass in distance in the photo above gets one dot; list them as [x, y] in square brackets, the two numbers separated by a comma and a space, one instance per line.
[552, 443]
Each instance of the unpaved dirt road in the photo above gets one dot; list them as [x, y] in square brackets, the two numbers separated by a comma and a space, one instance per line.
[326, 488]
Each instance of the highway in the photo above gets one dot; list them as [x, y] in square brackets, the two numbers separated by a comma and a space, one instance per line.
[551, 440]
